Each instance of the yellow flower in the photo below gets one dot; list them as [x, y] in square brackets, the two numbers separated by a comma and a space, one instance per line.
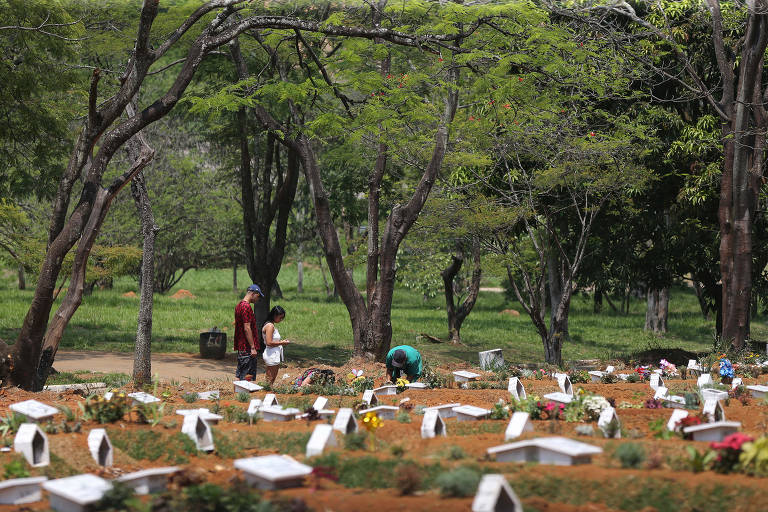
[371, 421]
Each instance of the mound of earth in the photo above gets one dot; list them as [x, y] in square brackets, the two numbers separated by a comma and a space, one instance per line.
[510, 312]
[183, 294]
[130, 294]
[676, 356]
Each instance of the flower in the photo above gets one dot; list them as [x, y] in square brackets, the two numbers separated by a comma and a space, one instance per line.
[732, 442]
[371, 421]
[726, 368]
[594, 405]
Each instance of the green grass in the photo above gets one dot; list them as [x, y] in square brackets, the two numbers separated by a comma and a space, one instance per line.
[321, 330]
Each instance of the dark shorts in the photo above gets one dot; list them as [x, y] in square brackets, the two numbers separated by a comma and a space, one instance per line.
[246, 365]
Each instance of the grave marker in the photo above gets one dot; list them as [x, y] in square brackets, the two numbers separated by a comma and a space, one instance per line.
[674, 401]
[677, 415]
[320, 403]
[321, 437]
[713, 394]
[564, 383]
[516, 389]
[254, 406]
[270, 400]
[143, 398]
[470, 413]
[75, 493]
[208, 416]
[610, 369]
[209, 395]
[491, 359]
[558, 397]
[495, 495]
[560, 451]
[100, 447]
[661, 392]
[385, 390]
[32, 443]
[736, 383]
[34, 410]
[713, 410]
[432, 425]
[199, 431]
[758, 391]
[385, 412]
[345, 421]
[656, 381]
[712, 432]
[148, 481]
[369, 398]
[465, 376]
[416, 385]
[705, 379]
[246, 386]
[519, 423]
[596, 376]
[278, 413]
[445, 410]
[607, 417]
[273, 471]
[18, 491]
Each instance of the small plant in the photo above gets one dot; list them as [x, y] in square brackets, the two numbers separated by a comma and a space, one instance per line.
[151, 414]
[98, 409]
[699, 461]
[403, 417]
[360, 384]
[432, 378]
[458, 483]
[235, 414]
[355, 440]
[243, 396]
[594, 405]
[609, 378]
[119, 497]
[660, 430]
[499, 412]
[456, 453]
[631, 455]
[402, 384]
[10, 424]
[397, 450]
[189, 397]
[754, 457]
[652, 403]
[692, 400]
[69, 414]
[407, 479]
[633, 378]
[580, 377]
[728, 452]
[16, 468]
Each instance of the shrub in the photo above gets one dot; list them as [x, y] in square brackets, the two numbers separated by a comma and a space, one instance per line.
[754, 457]
[10, 424]
[397, 450]
[119, 497]
[499, 412]
[580, 377]
[97, 408]
[458, 483]
[189, 397]
[609, 378]
[16, 468]
[652, 403]
[633, 378]
[631, 455]
[355, 440]
[151, 414]
[243, 396]
[456, 453]
[403, 417]
[729, 451]
[407, 478]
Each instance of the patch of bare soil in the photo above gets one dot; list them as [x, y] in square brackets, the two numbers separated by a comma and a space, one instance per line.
[183, 294]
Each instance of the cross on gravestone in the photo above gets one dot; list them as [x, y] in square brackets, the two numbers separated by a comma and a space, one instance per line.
[661, 392]
[270, 472]
[491, 359]
[34, 410]
[32, 443]
[18, 491]
[609, 423]
[148, 481]
[100, 447]
[564, 383]
[385, 412]
[345, 421]
[322, 437]
[519, 423]
[656, 381]
[432, 425]
[246, 386]
[470, 412]
[142, 398]
[320, 403]
[209, 395]
[516, 389]
[270, 400]
[677, 415]
[713, 410]
[199, 431]
[495, 495]
[75, 493]
[369, 398]
[445, 410]
[705, 380]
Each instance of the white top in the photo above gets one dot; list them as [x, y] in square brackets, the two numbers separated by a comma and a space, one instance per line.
[275, 332]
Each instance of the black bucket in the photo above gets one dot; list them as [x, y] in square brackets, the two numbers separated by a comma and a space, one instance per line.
[213, 344]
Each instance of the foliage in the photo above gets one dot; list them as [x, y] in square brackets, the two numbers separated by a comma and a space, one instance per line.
[593, 405]
[580, 377]
[119, 497]
[15, 468]
[10, 423]
[151, 413]
[403, 417]
[610, 378]
[729, 452]
[152, 445]
[699, 461]
[408, 478]
[243, 396]
[189, 397]
[458, 483]
[631, 455]
[499, 411]
[660, 430]
[355, 440]
[101, 410]
[754, 457]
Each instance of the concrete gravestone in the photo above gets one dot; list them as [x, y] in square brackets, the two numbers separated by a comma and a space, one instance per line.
[18, 491]
[34, 410]
[516, 389]
[278, 413]
[495, 495]
[560, 398]
[75, 493]
[198, 430]
[465, 376]
[758, 391]
[254, 406]
[270, 400]
[100, 447]
[713, 410]
[677, 415]
[143, 398]
[491, 359]
[519, 423]
[609, 423]
[470, 412]
[432, 425]
[712, 432]
[208, 416]
[209, 395]
[321, 437]
[148, 481]
[445, 410]
[320, 403]
[273, 471]
[385, 391]
[416, 385]
[345, 421]
[385, 412]
[661, 392]
[713, 394]
[559, 451]
[32, 443]
[656, 381]
[705, 380]
[246, 386]
[369, 398]
[564, 383]
[736, 383]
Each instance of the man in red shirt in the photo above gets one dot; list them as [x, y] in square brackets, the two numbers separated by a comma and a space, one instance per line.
[246, 334]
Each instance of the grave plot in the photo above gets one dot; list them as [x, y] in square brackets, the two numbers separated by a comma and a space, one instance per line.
[273, 471]
[560, 451]
[18, 491]
[34, 410]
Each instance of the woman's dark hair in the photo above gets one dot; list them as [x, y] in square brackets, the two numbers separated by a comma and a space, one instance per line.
[274, 313]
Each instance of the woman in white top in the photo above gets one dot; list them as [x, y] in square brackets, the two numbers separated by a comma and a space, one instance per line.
[273, 353]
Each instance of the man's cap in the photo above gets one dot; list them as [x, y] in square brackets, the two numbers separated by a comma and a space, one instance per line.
[255, 288]
[399, 358]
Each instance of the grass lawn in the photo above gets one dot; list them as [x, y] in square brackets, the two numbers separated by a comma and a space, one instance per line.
[106, 320]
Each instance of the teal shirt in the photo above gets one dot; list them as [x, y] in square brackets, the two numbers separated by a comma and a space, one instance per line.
[412, 364]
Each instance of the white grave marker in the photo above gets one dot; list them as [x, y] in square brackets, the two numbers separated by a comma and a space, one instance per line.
[432, 425]
[321, 437]
[34, 410]
[208, 416]
[148, 481]
[32, 443]
[75, 493]
[564, 383]
[254, 406]
[470, 412]
[596, 376]
[320, 403]
[758, 391]
[273, 471]
[246, 386]
[416, 385]
[516, 389]
[560, 451]
[465, 376]
[677, 415]
[100, 447]
[495, 495]
[385, 391]
[143, 398]
[445, 410]
[608, 416]
[661, 392]
[656, 381]
[519, 423]
[21, 490]
[491, 359]
[736, 383]
[199, 431]
[345, 421]
[610, 369]
[713, 410]
[270, 400]
[713, 394]
[560, 398]
[209, 395]
[278, 413]
[385, 412]
[712, 432]
[705, 380]
[369, 398]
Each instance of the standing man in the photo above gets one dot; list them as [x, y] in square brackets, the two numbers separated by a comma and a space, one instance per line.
[403, 360]
[246, 340]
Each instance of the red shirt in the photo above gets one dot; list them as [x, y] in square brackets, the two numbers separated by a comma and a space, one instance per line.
[244, 315]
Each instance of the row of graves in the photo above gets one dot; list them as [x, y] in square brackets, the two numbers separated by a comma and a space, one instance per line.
[277, 471]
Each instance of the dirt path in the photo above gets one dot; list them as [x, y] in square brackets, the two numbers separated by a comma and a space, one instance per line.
[166, 366]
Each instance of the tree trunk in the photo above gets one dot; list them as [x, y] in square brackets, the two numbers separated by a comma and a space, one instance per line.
[456, 316]
[277, 292]
[299, 269]
[597, 307]
[555, 274]
[20, 274]
[234, 277]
